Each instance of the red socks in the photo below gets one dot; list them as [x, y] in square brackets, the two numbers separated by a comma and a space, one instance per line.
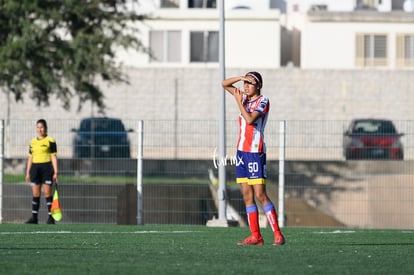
[271, 216]
[253, 219]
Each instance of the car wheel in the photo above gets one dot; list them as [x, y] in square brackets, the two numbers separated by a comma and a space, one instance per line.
[348, 155]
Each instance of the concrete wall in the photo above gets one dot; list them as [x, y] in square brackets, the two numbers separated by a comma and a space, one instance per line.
[193, 94]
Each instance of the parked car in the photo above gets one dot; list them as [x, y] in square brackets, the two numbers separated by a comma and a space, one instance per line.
[101, 137]
[372, 139]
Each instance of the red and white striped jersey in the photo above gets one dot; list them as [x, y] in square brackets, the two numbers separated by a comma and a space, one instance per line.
[251, 137]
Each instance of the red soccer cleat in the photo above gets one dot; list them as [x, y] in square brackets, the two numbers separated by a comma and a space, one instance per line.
[279, 240]
[251, 240]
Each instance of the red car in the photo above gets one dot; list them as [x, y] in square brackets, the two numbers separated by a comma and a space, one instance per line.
[372, 139]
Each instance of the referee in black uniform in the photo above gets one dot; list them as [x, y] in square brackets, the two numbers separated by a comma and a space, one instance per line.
[42, 170]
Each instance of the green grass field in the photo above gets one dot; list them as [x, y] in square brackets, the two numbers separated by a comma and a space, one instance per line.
[113, 249]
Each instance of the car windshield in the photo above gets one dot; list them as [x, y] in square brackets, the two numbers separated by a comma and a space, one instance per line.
[102, 125]
[374, 127]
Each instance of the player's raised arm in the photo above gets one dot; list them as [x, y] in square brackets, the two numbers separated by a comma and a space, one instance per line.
[228, 83]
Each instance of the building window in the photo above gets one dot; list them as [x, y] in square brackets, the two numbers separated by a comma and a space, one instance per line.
[368, 4]
[202, 4]
[405, 50]
[371, 50]
[204, 46]
[170, 3]
[165, 46]
[198, 4]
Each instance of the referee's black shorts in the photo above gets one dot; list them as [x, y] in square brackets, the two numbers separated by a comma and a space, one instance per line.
[41, 173]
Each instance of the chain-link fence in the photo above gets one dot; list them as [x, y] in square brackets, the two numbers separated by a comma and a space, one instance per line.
[323, 187]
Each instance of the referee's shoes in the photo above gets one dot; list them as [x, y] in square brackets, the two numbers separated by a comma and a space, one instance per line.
[32, 220]
[50, 220]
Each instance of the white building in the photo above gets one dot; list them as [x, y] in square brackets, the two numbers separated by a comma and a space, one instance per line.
[303, 6]
[312, 34]
[357, 40]
[181, 36]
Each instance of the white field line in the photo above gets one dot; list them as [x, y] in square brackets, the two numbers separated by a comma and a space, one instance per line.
[352, 231]
[336, 232]
[96, 232]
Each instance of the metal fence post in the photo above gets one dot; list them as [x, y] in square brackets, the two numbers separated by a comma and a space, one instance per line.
[282, 136]
[139, 170]
[1, 167]
[221, 191]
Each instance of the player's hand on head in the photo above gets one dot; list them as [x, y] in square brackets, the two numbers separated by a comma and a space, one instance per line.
[249, 79]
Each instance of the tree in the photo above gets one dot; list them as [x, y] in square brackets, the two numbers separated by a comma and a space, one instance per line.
[60, 47]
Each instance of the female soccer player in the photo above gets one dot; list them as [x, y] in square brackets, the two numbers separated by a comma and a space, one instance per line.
[251, 150]
[42, 169]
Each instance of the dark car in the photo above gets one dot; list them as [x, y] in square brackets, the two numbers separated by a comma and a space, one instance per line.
[372, 139]
[101, 137]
